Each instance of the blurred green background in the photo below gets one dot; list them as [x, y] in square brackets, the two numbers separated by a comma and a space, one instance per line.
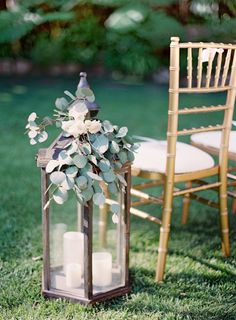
[121, 37]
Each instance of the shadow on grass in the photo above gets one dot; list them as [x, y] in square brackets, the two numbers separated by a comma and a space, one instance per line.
[180, 294]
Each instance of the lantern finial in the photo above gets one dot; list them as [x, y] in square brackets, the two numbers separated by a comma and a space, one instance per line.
[92, 106]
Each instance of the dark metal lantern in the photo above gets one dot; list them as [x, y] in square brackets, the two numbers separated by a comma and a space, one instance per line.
[85, 255]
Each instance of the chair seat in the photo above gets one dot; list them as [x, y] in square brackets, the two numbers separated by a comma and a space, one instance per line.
[151, 156]
[212, 139]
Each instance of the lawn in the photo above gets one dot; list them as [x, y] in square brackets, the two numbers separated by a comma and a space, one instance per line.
[199, 283]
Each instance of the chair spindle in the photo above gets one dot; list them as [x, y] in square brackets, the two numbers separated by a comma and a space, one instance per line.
[190, 67]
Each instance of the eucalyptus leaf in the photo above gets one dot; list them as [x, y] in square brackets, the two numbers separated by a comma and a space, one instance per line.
[104, 165]
[135, 146]
[101, 143]
[112, 188]
[33, 125]
[109, 176]
[80, 161]
[93, 159]
[107, 126]
[87, 193]
[73, 148]
[130, 156]
[60, 196]
[86, 169]
[71, 171]
[79, 197]
[82, 182]
[128, 139]
[115, 218]
[57, 177]
[32, 134]
[64, 158]
[94, 176]
[32, 116]
[42, 136]
[61, 103]
[87, 148]
[69, 94]
[122, 156]
[93, 137]
[33, 142]
[99, 199]
[96, 187]
[52, 164]
[114, 147]
[58, 124]
[115, 208]
[122, 132]
[122, 179]
[117, 165]
[68, 183]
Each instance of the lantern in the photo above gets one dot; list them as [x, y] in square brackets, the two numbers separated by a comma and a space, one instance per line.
[85, 254]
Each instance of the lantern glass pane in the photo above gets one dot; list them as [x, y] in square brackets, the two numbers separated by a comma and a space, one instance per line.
[67, 247]
[108, 258]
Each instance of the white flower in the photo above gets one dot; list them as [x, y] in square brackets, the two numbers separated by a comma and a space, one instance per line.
[76, 115]
[74, 127]
[78, 111]
[32, 116]
[65, 125]
[93, 126]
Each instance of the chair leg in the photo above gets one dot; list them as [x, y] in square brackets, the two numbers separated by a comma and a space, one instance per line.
[234, 206]
[234, 202]
[224, 220]
[164, 238]
[186, 204]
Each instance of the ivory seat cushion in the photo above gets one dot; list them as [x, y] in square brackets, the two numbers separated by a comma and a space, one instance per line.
[213, 139]
[151, 156]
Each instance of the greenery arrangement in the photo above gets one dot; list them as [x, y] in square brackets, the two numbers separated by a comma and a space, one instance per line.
[93, 156]
[130, 37]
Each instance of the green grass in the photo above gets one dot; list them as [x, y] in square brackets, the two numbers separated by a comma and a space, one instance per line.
[199, 284]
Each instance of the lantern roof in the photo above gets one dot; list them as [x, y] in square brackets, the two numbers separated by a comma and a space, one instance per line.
[51, 153]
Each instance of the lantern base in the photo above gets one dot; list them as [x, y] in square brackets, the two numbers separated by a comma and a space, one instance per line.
[56, 294]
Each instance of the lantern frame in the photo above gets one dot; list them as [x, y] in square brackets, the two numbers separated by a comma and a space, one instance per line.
[43, 157]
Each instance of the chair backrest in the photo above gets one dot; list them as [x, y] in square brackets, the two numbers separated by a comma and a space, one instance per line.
[220, 77]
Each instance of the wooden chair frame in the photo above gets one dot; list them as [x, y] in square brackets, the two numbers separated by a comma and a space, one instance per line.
[169, 178]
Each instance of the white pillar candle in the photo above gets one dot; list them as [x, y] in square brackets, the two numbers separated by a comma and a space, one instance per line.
[102, 269]
[73, 249]
[73, 275]
[58, 230]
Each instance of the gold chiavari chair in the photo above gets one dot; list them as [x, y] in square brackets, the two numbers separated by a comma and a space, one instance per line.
[170, 162]
[210, 142]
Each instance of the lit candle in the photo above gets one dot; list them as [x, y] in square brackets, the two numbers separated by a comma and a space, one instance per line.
[102, 269]
[73, 249]
[58, 230]
[73, 275]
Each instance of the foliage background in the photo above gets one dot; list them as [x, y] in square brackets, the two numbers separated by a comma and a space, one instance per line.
[125, 36]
